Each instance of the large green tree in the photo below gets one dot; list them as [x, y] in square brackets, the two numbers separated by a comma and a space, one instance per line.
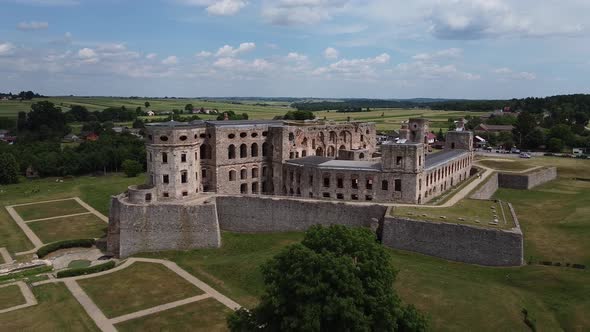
[8, 169]
[337, 279]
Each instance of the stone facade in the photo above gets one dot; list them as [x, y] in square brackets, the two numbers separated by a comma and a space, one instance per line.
[456, 242]
[527, 180]
[488, 189]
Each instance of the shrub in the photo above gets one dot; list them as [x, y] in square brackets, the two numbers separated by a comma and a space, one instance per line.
[26, 273]
[546, 263]
[45, 250]
[579, 266]
[86, 270]
[132, 168]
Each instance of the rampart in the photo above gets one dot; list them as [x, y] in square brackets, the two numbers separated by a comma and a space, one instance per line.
[160, 226]
[269, 214]
[487, 190]
[527, 180]
[456, 242]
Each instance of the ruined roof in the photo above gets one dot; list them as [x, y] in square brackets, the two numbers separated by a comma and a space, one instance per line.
[329, 163]
[436, 159]
[240, 123]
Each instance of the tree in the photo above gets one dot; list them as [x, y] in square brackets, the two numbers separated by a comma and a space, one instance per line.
[440, 136]
[337, 279]
[138, 124]
[299, 115]
[8, 169]
[563, 132]
[131, 168]
[189, 107]
[147, 104]
[555, 145]
[525, 124]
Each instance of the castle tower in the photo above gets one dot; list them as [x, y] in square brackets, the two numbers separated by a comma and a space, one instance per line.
[173, 163]
[461, 140]
[418, 130]
[403, 158]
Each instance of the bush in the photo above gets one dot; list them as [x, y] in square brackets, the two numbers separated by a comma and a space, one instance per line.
[132, 168]
[45, 250]
[26, 273]
[86, 270]
[579, 266]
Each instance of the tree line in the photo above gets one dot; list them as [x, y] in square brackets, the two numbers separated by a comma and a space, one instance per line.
[23, 95]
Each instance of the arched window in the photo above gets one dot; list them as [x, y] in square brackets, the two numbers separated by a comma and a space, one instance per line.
[243, 174]
[254, 150]
[264, 149]
[342, 147]
[231, 152]
[254, 173]
[361, 155]
[243, 151]
[331, 151]
[304, 153]
[319, 151]
[333, 137]
[304, 142]
[232, 175]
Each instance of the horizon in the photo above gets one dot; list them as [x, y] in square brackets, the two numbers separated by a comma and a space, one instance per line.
[462, 49]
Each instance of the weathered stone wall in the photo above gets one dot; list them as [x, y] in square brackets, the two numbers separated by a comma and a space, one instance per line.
[527, 180]
[265, 214]
[462, 243]
[161, 226]
[487, 190]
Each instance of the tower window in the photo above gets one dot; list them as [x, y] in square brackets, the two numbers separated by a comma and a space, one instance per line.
[183, 177]
[398, 185]
[183, 157]
[384, 185]
[164, 157]
[165, 178]
[398, 161]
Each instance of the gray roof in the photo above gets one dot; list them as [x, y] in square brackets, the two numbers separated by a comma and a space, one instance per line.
[436, 159]
[329, 163]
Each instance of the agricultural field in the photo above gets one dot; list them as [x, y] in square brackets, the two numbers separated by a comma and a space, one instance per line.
[385, 119]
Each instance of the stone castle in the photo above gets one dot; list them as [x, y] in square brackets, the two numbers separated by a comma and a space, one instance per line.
[273, 176]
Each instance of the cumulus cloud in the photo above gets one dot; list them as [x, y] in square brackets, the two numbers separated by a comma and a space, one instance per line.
[229, 51]
[171, 60]
[294, 56]
[217, 7]
[33, 25]
[151, 56]
[6, 48]
[87, 53]
[204, 54]
[331, 53]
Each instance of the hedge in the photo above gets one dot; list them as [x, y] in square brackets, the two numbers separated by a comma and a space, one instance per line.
[45, 250]
[86, 270]
[26, 273]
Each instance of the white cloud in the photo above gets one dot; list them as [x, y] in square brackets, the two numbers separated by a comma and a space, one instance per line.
[33, 25]
[507, 73]
[355, 68]
[151, 56]
[6, 48]
[204, 54]
[447, 53]
[171, 60]
[217, 7]
[229, 51]
[293, 56]
[331, 53]
[87, 53]
[301, 12]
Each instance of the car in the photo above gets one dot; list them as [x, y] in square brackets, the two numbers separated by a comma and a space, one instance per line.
[525, 155]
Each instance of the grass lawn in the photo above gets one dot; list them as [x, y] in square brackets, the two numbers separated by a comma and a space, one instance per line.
[138, 287]
[471, 210]
[234, 268]
[206, 315]
[70, 228]
[79, 264]
[505, 165]
[48, 210]
[95, 191]
[57, 310]
[10, 296]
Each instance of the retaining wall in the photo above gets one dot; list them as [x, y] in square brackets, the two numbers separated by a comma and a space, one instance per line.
[158, 226]
[462, 243]
[527, 180]
[487, 190]
[266, 214]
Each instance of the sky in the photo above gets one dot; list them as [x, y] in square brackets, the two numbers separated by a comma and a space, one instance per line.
[476, 49]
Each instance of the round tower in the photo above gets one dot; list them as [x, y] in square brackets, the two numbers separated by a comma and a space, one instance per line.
[173, 164]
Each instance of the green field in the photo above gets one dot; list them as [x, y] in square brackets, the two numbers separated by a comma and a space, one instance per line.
[138, 287]
[206, 315]
[385, 119]
[95, 191]
[11, 296]
[505, 165]
[87, 226]
[57, 310]
[48, 210]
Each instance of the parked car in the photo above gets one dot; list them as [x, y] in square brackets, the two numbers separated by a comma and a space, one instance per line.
[525, 155]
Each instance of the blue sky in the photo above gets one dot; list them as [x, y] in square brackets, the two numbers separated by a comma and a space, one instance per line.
[300, 48]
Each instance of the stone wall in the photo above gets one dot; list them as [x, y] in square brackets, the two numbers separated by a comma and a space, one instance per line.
[161, 226]
[462, 243]
[527, 180]
[487, 190]
[265, 214]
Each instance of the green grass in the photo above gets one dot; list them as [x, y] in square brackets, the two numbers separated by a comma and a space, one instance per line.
[86, 226]
[471, 210]
[206, 315]
[77, 264]
[57, 310]
[11, 296]
[507, 165]
[233, 269]
[138, 287]
[96, 191]
[50, 209]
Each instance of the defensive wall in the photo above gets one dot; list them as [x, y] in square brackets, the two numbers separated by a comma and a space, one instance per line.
[271, 214]
[523, 181]
[456, 242]
[135, 228]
